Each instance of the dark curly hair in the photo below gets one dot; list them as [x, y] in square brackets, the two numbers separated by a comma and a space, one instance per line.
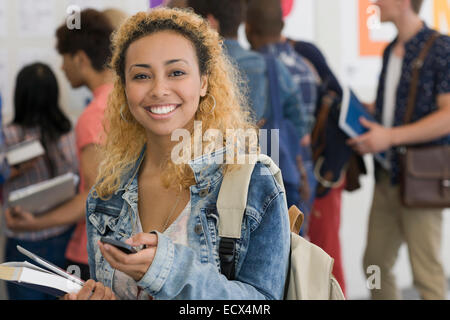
[94, 38]
[230, 13]
[265, 17]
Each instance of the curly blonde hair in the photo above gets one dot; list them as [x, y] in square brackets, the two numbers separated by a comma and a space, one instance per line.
[125, 137]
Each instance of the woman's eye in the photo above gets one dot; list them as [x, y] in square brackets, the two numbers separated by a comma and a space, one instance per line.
[141, 77]
[177, 73]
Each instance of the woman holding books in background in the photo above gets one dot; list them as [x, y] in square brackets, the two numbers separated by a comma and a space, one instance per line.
[38, 116]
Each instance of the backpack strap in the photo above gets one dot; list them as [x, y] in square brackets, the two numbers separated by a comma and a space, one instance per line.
[417, 66]
[231, 204]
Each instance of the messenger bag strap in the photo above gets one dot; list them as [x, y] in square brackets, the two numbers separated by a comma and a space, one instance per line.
[417, 66]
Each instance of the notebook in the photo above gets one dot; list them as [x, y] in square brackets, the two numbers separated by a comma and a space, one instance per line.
[45, 195]
[51, 280]
[351, 111]
[24, 151]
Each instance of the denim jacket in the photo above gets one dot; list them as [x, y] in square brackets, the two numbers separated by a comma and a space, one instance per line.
[302, 75]
[193, 271]
[254, 71]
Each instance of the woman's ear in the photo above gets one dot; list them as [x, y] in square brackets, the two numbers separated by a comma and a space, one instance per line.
[203, 85]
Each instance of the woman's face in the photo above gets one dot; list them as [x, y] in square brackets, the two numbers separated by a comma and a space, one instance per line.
[163, 82]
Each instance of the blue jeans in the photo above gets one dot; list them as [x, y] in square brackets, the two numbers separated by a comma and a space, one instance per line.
[52, 250]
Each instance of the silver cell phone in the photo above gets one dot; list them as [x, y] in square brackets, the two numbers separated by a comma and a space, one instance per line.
[126, 248]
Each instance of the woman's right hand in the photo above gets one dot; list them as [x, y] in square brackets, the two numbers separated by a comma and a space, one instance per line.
[92, 291]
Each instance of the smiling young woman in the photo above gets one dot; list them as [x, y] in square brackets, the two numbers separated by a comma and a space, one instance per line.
[171, 72]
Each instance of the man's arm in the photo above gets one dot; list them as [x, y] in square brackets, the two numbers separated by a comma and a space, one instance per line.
[68, 213]
[429, 128]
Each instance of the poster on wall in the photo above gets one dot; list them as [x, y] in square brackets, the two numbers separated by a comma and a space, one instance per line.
[364, 38]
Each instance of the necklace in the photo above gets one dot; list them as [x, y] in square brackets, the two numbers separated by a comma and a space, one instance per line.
[171, 212]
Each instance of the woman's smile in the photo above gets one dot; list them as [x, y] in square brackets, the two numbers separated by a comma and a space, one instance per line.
[161, 111]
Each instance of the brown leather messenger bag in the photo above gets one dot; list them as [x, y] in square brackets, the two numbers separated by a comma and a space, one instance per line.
[425, 171]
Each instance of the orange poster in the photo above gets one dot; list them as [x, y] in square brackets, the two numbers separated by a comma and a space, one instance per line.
[441, 15]
[367, 47]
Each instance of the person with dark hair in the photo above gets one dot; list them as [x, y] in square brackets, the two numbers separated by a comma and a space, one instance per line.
[38, 116]
[413, 111]
[225, 17]
[264, 23]
[86, 53]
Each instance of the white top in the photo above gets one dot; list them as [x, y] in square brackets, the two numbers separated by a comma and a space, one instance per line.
[393, 73]
[124, 287]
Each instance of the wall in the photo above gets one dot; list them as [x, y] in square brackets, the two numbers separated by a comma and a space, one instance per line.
[27, 29]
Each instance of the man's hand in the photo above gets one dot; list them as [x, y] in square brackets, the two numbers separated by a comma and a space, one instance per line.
[306, 140]
[18, 220]
[136, 264]
[20, 169]
[92, 291]
[378, 138]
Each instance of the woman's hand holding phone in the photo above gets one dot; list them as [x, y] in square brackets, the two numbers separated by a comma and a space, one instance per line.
[135, 265]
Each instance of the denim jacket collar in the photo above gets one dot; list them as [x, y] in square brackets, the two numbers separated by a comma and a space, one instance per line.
[207, 169]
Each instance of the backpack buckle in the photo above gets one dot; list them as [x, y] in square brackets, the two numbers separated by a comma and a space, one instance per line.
[226, 255]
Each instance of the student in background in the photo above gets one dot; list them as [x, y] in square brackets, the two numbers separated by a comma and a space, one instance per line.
[225, 17]
[38, 116]
[324, 221]
[264, 24]
[391, 223]
[86, 53]
[115, 16]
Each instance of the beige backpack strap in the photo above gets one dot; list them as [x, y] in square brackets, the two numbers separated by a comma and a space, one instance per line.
[232, 198]
[231, 204]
